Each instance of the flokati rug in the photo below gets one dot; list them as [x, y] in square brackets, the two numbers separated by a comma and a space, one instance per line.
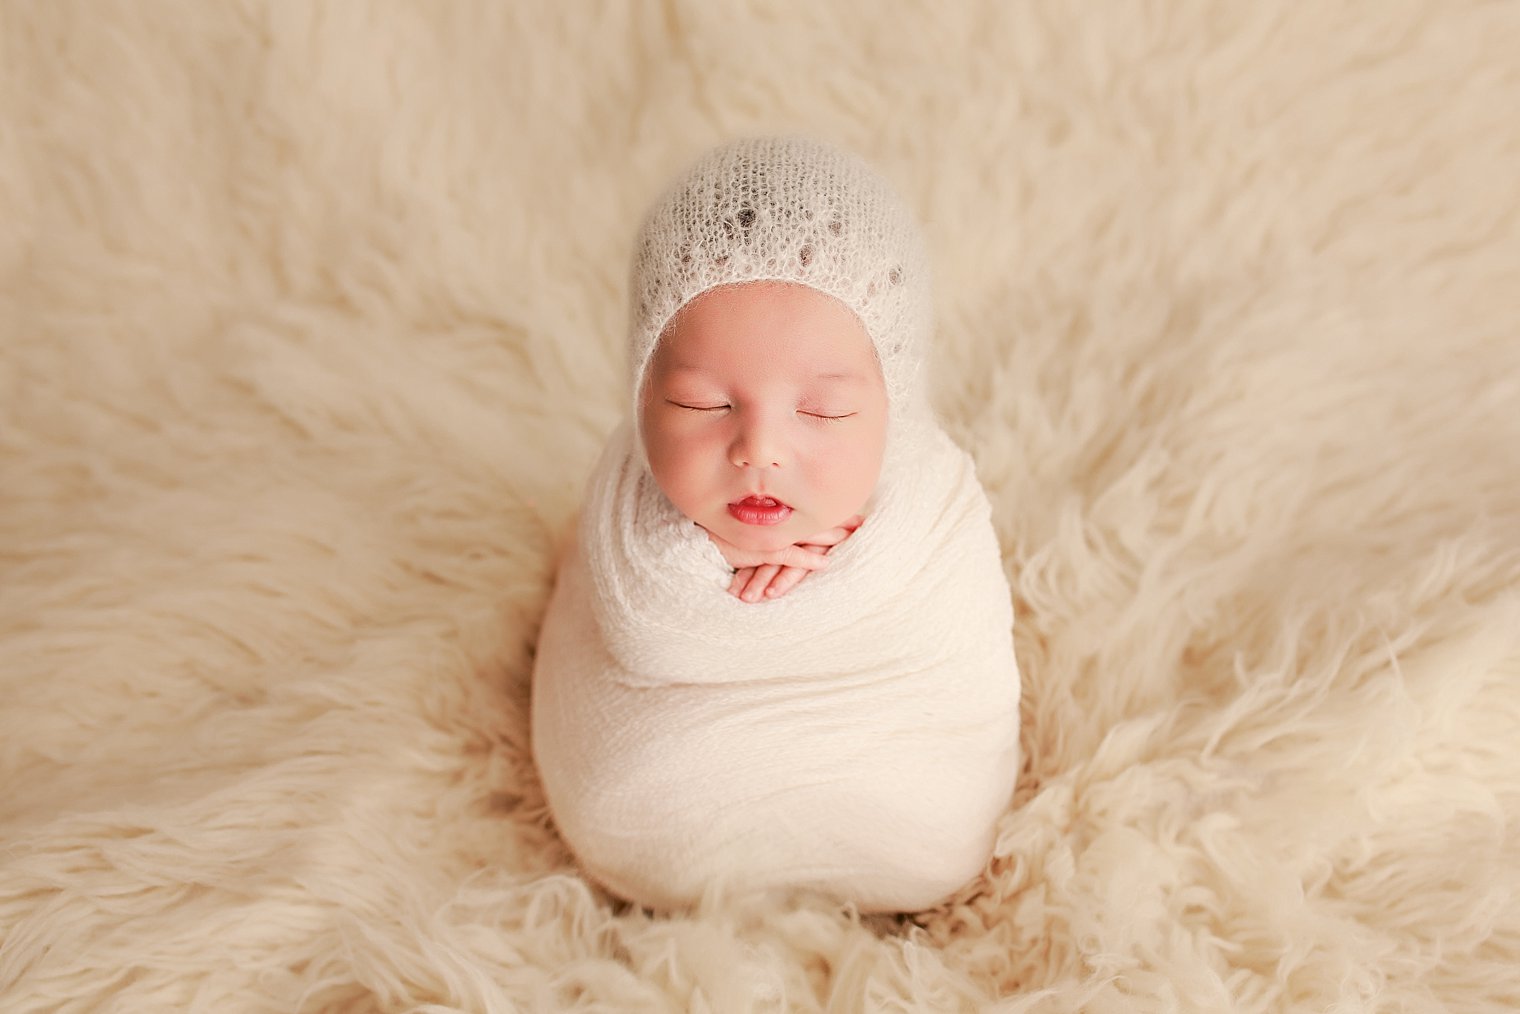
[309, 326]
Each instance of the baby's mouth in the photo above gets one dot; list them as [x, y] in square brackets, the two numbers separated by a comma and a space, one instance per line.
[760, 510]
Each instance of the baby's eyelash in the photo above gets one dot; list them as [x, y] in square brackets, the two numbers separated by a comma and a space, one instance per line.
[719, 408]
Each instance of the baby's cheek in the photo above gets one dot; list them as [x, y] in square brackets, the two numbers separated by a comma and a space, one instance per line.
[693, 478]
[857, 460]
[842, 485]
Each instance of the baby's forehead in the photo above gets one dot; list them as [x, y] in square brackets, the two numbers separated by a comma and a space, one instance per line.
[766, 314]
[819, 357]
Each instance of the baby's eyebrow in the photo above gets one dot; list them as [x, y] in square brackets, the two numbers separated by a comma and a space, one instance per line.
[687, 368]
[831, 375]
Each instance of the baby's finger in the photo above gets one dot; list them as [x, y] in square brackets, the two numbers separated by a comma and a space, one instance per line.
[789, 556]
[824, 539]
[741, 578]
[834, 536]
[785, 582]
[758, 582]
[796, 556]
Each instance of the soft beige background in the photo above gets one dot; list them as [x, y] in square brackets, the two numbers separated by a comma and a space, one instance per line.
[310, 324]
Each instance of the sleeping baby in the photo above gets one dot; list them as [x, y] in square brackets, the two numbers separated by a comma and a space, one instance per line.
[779, 653]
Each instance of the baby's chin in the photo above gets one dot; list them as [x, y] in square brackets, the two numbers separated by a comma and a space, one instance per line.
[760, 540]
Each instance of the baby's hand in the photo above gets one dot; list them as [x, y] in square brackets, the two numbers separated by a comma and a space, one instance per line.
[771, 575]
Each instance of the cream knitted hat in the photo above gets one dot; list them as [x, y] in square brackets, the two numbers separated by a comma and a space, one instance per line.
[791, 209]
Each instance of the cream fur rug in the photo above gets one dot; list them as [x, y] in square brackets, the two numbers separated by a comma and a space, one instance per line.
[309, 325]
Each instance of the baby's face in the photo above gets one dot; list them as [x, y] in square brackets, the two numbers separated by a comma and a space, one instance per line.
[765, 390]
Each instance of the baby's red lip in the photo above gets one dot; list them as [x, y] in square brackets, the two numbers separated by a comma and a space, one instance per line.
[759, 510]
[756, 500]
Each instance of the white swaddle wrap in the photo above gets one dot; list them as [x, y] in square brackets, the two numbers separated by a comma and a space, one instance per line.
[858, 736]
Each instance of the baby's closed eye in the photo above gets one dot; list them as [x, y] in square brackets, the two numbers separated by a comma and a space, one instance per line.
[698, 407]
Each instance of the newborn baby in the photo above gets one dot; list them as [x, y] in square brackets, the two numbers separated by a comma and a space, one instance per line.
[779, 653]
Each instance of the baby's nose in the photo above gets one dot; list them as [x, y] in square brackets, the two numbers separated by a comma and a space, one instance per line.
[756, 447]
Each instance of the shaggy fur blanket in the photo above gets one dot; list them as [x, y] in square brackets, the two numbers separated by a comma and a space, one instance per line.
[310, 326]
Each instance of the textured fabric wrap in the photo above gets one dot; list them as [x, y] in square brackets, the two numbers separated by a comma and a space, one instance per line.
[858, 736]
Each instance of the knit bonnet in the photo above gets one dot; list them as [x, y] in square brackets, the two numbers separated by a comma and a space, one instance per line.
[792, 209]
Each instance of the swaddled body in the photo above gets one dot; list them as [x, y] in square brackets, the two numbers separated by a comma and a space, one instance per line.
[856, 736]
